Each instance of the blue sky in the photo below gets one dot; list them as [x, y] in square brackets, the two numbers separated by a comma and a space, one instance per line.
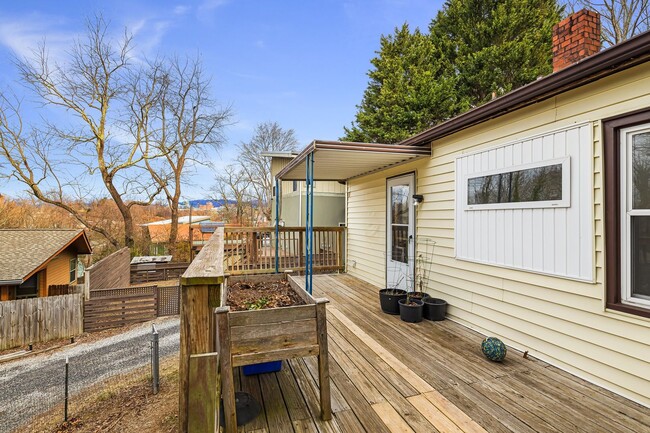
[300, 63]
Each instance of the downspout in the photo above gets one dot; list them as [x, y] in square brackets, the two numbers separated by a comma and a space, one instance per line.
[299, 203]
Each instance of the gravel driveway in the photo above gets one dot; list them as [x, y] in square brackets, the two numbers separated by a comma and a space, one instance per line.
[32, 385]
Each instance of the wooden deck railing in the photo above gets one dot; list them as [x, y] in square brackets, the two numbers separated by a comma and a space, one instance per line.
[150, 272]
[251, 250]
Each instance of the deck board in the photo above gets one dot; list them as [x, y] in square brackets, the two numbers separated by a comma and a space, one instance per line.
[391, 376]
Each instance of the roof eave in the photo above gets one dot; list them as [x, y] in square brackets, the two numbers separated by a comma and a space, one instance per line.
[607, 62]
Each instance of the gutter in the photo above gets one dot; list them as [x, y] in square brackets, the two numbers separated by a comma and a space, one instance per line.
[10, 282]
[625, 55]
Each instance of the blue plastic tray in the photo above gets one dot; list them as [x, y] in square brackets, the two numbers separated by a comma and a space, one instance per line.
[262, 367]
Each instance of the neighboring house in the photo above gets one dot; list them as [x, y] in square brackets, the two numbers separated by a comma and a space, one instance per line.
[33, 260]
[539, 204]
[158, 232]
[329, 197]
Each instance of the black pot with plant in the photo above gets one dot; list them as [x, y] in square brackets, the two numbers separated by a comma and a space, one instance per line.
[434, 309]
[410, 309]
[388, 298]
[420, 296]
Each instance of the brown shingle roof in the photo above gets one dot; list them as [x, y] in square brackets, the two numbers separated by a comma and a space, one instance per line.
[24, 250]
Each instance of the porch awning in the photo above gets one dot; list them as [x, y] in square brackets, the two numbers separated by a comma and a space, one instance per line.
[341, 161]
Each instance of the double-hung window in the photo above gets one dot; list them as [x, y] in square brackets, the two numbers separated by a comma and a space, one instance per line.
[627, 219]
[635, 214]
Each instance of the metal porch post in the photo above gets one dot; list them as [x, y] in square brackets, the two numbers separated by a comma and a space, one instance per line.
[309, 221]
[277, 225]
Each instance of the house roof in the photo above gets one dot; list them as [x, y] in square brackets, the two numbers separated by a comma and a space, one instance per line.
[279, 154]
[181, 220]
[341, 161]
[617, 58]
[25, 251]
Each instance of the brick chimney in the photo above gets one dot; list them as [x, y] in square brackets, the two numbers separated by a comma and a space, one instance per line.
[575, 37]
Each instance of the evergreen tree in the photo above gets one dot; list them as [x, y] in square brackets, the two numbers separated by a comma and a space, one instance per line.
[495, 46]
[408, 90]
[475, 50]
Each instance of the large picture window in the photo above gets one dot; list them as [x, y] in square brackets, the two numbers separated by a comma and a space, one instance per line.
[538, 185]
[627, 212]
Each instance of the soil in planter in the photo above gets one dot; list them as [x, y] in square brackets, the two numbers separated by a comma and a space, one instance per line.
[248, 295]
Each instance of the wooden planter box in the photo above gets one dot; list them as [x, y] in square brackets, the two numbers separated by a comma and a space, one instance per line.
[249, 337]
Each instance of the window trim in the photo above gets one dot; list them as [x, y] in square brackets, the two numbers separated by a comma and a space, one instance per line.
[73, 269]
[612, 209]
[562, 203]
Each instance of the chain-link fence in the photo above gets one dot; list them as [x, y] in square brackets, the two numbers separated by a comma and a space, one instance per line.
[32, 390]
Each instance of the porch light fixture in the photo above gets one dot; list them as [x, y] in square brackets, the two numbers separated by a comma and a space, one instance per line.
[417, 199]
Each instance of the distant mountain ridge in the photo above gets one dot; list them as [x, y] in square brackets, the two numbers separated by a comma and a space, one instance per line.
[205, 202]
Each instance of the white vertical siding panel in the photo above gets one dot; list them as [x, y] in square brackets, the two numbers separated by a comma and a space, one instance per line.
[460, 241]
[508, 228]
[586, 199]
[499, 232]
[573, 213]
[527, 229]
[468, 218]
[548, 215]
[556, 241]
[492, 237]
[526, 151]
[537, 238]
[560, 215]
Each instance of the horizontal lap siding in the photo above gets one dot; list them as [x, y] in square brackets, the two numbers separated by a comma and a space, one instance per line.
[366, 219]
[559, 320]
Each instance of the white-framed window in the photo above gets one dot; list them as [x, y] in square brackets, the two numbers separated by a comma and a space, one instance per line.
[635, 214]
[543, 184]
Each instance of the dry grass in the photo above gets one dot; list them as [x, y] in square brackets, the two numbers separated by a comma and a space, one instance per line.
[124, 404]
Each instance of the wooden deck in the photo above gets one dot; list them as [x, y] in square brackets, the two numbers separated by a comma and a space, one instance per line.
[391, 376]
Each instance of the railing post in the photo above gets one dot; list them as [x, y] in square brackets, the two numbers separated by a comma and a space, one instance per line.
[339, 261]
[200, 295]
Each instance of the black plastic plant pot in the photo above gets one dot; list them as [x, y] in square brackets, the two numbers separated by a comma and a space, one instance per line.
[388, 299]
[435, 309]
[411, 310]
[419, 295]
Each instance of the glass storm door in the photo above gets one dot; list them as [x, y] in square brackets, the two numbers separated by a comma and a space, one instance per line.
[635, 215]
[400, 225]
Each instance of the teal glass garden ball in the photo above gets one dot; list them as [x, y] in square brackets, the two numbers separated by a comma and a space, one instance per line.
[494, 349]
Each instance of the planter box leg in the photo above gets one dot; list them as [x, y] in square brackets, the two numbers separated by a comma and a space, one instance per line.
[323, 361]
[227, 378]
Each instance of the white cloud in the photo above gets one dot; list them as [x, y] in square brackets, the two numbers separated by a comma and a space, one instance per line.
[181, 10]
[25, 34]
[148, 34]
[209, 5]
[260, 44]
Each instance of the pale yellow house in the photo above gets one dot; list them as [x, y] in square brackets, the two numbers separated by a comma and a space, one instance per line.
[329, 197]
[539, 206]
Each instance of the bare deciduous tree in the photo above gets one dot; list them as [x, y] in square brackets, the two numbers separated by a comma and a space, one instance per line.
[268, 137]
[620, 19]
[185, 123]
[60, 164]
[233, 182]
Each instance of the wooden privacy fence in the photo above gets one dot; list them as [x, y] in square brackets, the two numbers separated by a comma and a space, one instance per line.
[114, 311]
[150, 272]
[166, 301]
[251, 250]
[40, 319]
